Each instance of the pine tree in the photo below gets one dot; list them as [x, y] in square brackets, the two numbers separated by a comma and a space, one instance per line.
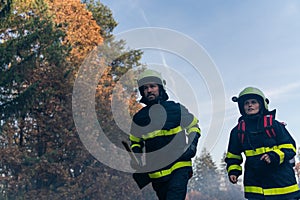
[229, 190]
[103, 16]
[205, 179]
[30, 78]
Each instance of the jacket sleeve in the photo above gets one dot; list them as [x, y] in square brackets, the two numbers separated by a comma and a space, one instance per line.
[234, 157]
[286, 145]
[136, 144]
[189, 122]
[135, 137]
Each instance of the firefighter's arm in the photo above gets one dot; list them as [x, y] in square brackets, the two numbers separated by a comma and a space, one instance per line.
[286, 146]
[233, 162]
[136, 146]
[193, 133]
[233, 157]
[191, 148]
[190, 123]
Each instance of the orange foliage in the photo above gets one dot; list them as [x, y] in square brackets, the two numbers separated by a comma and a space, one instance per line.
[83, 33]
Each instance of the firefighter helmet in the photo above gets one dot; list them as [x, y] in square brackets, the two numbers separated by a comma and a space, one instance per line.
[149, 76]
[248, 93]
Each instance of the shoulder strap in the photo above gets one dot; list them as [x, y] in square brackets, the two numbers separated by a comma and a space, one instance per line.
[268, 125]
[241, 127]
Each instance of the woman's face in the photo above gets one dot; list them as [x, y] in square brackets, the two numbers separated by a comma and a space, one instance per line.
[251, 106]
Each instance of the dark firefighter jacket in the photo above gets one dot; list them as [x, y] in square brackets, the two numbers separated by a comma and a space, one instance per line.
[261, 180]
[161, 129]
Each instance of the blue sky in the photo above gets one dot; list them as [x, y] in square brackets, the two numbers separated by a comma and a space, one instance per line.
[251, 42]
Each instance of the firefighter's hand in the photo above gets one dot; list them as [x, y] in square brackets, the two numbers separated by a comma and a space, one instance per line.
[233, 179]
[266, 158]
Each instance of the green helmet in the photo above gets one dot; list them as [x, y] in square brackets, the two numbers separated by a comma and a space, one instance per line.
[149, 76]
[248, 93]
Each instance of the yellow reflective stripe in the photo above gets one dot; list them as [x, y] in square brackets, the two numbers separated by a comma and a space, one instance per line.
[284, 190]
[190, 128]
[253, 189]
[280, 154]
[272, 191]
[134, 139]
[166, 172]
[193, 123]
[287, 146]
[231, 155]
[260, 151]
[194, 129]
[276, 149]
[135, 145]
[234, 167]
[162, 133]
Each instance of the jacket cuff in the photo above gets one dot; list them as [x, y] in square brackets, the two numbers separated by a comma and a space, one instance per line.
[275, 158]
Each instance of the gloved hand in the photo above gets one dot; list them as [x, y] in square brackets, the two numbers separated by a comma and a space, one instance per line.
[191, 149]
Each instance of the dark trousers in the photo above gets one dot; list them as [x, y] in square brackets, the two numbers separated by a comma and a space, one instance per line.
[176, 187]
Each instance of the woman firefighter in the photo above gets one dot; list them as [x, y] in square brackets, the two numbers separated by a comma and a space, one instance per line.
[268, 148]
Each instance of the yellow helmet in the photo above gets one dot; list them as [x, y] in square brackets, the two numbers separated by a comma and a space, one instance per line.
[149, 76]
[248, 93]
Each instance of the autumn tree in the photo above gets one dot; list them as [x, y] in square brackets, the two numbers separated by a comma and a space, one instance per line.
[43, 44]
[118, 61]
[80, 28]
